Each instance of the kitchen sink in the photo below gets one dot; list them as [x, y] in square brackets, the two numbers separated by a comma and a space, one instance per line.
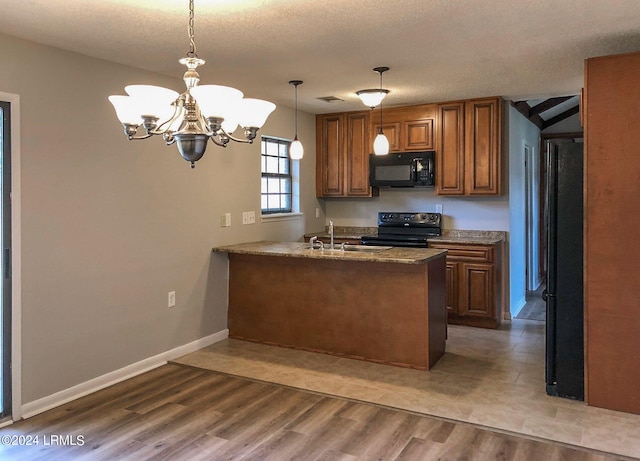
[366, 248]
[360, 248]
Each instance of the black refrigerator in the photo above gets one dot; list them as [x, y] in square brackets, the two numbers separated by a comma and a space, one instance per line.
[564, 371]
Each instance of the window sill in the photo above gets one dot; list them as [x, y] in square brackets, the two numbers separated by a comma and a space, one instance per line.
[276, 217]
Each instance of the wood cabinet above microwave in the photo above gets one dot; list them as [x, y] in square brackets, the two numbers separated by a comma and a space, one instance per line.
[408, 128]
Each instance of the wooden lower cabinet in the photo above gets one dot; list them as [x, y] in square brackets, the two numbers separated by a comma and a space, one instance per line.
[473, 288]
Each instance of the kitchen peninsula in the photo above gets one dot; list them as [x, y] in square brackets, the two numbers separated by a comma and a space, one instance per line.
[382, 305]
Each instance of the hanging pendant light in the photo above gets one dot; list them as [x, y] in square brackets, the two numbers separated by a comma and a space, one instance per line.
[372, 98]
[190, 119]
[296, 150]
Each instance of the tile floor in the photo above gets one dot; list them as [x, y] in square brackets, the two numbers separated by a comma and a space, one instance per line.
[493, 378]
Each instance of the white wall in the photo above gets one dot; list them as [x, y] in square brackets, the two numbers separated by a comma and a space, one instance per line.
[521, 132]
[110, 226]
[568, 125]
[475, 213]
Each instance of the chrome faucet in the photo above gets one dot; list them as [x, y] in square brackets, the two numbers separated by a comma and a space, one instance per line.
[313, 241]
[331, 232]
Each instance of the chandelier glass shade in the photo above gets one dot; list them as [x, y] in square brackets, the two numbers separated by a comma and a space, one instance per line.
[296, 150]
[381, 144]
[371, 98]
[374, 96]
[192, 118]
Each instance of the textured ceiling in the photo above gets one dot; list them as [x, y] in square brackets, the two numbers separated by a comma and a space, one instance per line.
[437, 50]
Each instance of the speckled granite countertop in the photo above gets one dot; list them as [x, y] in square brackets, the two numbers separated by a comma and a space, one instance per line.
[470, 237]
[456, 236]
[302, 250]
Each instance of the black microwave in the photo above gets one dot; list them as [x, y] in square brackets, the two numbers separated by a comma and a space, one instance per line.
[406, 169]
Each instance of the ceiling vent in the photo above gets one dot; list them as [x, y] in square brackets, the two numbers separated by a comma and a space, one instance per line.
[330, 99]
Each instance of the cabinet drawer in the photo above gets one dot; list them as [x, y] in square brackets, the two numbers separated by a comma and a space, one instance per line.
[475, 253]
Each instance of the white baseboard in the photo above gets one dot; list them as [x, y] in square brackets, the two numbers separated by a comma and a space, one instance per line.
[519, 306]
[59, 398]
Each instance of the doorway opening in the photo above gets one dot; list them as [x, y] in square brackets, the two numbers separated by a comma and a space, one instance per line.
[5, 242]
[534, 308]
[532, 216]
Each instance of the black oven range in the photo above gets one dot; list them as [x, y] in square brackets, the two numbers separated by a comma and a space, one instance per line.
[405, 229]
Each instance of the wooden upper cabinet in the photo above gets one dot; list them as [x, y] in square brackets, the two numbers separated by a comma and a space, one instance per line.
[357, 155]
[342, 155]
[329, 156]
[450, 149]
[469, 147]
[408, 128]
[418, 134]
[483, 162]
[391, 131]
[466, 135]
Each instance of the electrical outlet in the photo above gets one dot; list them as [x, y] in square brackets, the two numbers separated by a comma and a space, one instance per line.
[172, 299]
[439, 209]
[248, 217]
[317, 212]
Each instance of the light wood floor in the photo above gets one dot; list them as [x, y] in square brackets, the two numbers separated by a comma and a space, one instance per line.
[181, 413]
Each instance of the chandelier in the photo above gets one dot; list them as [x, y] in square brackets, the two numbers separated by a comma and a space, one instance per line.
[190, 119]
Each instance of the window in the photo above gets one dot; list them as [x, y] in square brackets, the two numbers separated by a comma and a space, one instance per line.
[276, 189]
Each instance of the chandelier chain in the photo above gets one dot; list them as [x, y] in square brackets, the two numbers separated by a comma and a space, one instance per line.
[192, 42]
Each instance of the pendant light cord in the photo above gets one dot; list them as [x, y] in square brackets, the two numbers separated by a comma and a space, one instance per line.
[380, 129]
[296, 136]
[295, 83]
[192, 42]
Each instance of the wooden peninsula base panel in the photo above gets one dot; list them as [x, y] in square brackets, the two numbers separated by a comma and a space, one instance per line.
[383, 312]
